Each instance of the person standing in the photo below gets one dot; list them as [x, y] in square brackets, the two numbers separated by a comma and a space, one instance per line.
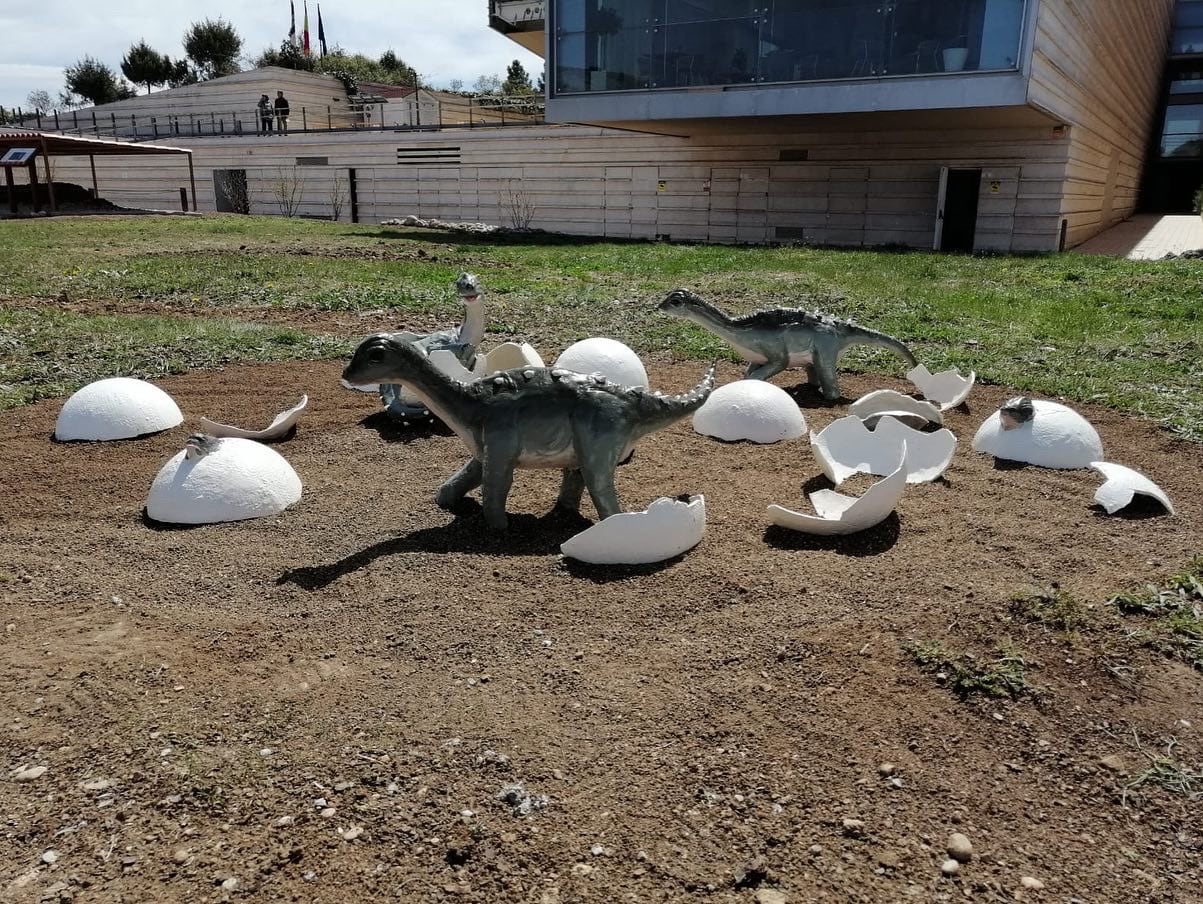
[281, 113]
[265, 115]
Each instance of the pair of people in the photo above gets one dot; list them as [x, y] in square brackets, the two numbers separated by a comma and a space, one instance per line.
[279, 111]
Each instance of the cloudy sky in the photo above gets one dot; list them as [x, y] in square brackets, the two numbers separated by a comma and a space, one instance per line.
[442, 39]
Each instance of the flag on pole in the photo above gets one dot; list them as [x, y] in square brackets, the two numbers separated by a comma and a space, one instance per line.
[292, 31]
[305, 31]
[321, 32]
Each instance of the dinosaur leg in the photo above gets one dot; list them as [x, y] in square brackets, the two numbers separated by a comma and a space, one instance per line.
[572, 486]
[768, 369]
[598, 457]
[825, 366]
[459, 485]
[497, 475]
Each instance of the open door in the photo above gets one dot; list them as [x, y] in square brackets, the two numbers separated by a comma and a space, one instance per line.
[941, 196]
[956, 211]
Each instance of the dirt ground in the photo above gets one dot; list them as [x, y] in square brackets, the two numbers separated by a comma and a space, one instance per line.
[325, 706]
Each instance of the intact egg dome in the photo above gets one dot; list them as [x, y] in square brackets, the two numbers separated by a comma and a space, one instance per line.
[1054, 437]
[752, 410]
[116, 408]
[234, 480]
[608, 357]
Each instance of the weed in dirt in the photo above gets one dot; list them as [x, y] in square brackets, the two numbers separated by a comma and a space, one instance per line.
[1176, 606]
[1052, 607]
[967, 675]
[1167, 772]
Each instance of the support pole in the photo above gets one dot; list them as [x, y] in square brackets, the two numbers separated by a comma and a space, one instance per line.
[33, 187]
[12, 190]
[49, 178]
[92, 163]
[192, 180]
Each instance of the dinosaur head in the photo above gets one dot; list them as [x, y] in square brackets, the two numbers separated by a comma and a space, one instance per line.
[1016, 411]
[384, 359]
[680, 300]
[467, 286]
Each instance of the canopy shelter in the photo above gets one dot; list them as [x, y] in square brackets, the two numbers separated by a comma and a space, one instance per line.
[51, 144]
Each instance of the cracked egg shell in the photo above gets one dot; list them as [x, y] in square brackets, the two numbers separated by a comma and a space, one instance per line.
[1055, 437]
[846, 447]
[667, 528]
[1122, 485]
[911, 411]
[236, 480]
[750, 410]
[837, 514]
[116, 408]
[948, 388]
[608, 357]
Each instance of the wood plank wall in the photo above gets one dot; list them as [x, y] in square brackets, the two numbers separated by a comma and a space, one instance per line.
[1097, 65]
[855, 187]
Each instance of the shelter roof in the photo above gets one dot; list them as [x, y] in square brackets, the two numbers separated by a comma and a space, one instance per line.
[58, 145]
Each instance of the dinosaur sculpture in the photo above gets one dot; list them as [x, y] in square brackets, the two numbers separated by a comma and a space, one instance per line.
[770, 341]
[461, 341]
[528, 417]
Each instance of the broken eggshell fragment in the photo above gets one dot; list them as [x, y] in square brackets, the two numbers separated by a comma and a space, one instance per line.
[279, 427]
[1122, 485]
[839, 514]
[1038, 432]
[846, 447]
[667, 528]
[911, 411]
[946, 388]
[750, 410]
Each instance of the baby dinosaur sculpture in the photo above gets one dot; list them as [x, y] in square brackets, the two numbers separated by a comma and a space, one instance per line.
[461, 341]
[770, 341]
[529, 417]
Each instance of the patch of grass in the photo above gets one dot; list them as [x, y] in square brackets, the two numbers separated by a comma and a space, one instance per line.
[1124, 333]
[1167, 772]
[1176, 606]
[46, 353]
[1053, 608]
[967, 675]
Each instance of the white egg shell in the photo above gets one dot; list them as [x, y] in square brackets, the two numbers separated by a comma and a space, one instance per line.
[238, 479]
[838, 514]
[909, 410]
[116, 408]
[607, 357]
[1122, 485]
[946, 388]
[752, 410]
[846, 447]
[280, 425]
[667, 528]
[1055, 437]
[510, 355]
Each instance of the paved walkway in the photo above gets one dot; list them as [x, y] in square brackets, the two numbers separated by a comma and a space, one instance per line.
[1148, 237]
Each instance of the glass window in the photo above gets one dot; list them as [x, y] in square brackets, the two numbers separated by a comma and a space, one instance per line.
[1189, 13]
[1182, 135]
[612, 45]
[1187, 83]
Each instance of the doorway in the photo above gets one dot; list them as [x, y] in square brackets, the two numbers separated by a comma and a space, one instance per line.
[229, 191]
[956, 209]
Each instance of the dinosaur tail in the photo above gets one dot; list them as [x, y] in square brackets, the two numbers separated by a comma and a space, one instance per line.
[657, 410]
[860, 335]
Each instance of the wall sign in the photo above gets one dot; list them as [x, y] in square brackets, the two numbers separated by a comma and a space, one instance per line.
[18, 156]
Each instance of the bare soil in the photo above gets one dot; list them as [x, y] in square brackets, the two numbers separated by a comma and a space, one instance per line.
[325, 706]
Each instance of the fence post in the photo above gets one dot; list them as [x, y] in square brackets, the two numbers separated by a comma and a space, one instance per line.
[38, 115]
[154, 125]
[113, 116]
[381, 120]
[133, 122]
[212, 123]
[304, 121]
[57, 128]
[95, 127]
[502, 108]
[329, 121]
[75, 119]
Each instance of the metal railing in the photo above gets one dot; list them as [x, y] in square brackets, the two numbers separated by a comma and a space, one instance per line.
[476, 111]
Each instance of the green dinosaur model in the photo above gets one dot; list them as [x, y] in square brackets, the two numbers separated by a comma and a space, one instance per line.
[770, 341]
[528, 417]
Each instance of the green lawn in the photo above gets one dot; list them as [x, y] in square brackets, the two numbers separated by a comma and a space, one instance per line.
[1125, 333]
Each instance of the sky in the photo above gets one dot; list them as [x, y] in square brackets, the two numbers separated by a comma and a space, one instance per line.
[442, 39]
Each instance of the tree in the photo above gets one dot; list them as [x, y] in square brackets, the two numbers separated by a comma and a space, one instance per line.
[39, 100]
[487, 84]
[387, 70]
[213, 46]
[541, 85]
[145, 66]
[517, 80]
[95, 82]
[288, 56]
[456, 85]
[182, 74]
